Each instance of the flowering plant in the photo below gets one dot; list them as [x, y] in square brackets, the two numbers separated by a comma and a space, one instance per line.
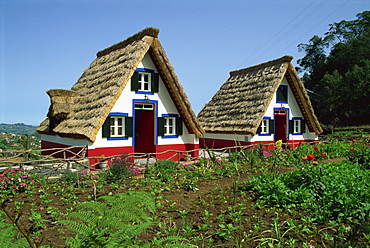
[121, 168]
[87, 175]
[359, 152]
[16, 181]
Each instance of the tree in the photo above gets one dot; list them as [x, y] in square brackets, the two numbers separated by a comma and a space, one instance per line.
[340, 79]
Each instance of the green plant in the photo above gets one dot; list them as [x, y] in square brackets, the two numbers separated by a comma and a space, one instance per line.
[164, 170]
[9, 236]
[18, 226]
[16, 181]
[36, 220]
[359, 152]
[226, 231]
[69, 176]
[119, 169]
[111, 220]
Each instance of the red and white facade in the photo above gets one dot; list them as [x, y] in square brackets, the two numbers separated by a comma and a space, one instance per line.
[283, 120]
[143, 120]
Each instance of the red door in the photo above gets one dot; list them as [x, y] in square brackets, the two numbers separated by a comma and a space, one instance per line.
[281, 126]
[144, 131]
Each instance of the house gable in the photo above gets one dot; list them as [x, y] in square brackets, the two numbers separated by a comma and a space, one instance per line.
[100, 86]
[242, 101]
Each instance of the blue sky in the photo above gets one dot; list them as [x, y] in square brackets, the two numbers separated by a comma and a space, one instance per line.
[46, 44]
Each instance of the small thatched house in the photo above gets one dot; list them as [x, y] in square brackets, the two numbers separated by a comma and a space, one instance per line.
[260, 105]
[128, 100]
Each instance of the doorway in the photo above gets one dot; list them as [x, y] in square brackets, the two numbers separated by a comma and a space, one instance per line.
[281, 125]
[144, 128]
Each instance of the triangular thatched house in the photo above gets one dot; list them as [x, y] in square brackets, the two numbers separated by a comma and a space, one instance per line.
[260, 105]
[128, 100]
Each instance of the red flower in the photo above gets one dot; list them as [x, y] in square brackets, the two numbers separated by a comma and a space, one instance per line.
[323, 154]
[316, 148]
[354, 140]
[352, 148]
[310, 157]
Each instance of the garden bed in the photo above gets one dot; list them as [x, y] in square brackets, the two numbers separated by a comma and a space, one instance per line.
[248, 200]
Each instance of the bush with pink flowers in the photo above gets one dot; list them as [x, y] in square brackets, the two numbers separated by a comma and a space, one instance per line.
[16, 181]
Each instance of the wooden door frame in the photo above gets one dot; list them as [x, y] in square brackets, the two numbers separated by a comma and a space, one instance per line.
[286, 113]
[144, 101]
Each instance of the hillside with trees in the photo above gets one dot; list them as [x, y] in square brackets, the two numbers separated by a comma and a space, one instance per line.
[336, 71]
[19, 128]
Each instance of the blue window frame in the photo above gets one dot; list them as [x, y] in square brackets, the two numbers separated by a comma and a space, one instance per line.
[117, 126]
[266, 127]
[169, 126]
[297, 126]
[145, 81]
[282, 94]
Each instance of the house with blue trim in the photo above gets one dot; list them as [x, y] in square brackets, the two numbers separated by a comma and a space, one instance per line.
[129, 100]
[260, 105]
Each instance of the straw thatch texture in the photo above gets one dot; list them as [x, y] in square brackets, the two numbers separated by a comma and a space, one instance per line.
[174, 88]
[303, 100]
[61, 102]
[99, 87]
[241, 102]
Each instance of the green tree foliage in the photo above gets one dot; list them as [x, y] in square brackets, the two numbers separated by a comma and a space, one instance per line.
[19, 128]
[340, 80]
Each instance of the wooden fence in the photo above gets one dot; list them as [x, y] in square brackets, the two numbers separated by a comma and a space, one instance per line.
[63, 158]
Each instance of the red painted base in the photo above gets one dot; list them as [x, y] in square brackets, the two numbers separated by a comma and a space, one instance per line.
[176, 152]
[268, 145]
[52, 150]
[172, 152]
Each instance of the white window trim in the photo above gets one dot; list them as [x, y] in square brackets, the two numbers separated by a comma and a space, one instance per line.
[296, 126]
[142, 82]
[168, 128]
[114, 129]
[265, 126]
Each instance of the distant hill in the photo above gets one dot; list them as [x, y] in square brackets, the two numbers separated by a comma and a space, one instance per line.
[19, 128]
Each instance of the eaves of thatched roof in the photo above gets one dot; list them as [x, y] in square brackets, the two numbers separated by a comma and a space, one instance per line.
[240, 104]
[99, 87]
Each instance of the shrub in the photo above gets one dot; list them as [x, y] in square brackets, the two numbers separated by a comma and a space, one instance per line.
[165, 169]
[16, 181]
[120, 168]
[359, 152]
[69, 176]
[328, 192]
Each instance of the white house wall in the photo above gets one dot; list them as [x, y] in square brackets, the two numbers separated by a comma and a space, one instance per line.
[164, 105]
[293, 111]
[65, 141]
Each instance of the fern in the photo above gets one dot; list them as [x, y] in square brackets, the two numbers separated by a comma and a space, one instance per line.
[110, 221]
[8, 237]
[167, 242]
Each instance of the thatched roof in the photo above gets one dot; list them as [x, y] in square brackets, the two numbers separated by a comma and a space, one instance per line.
[61, 102]
[99, 87]
[240, 104]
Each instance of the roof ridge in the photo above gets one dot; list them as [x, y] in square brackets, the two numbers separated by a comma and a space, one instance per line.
[286, 58]
[149, 31]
